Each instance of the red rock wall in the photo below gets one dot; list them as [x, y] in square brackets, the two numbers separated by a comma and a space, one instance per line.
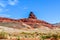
[27, 21]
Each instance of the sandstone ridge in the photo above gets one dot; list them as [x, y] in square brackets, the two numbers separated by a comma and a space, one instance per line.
[31, 21]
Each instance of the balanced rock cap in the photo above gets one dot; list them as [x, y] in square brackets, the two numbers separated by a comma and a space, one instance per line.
[32, 16]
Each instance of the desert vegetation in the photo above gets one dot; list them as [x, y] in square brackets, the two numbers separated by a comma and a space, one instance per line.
[41, 34]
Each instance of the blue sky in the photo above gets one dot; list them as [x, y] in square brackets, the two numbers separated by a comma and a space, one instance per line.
[47, 10]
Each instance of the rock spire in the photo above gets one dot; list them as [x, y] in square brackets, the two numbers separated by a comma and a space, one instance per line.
[32, 16]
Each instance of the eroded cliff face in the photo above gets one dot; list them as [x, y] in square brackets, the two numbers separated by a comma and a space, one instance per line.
[32, 21]
[2, 19]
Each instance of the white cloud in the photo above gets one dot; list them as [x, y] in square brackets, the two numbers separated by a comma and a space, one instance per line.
[12, 2]
[5, 3]
[2, 5]
[4, 15]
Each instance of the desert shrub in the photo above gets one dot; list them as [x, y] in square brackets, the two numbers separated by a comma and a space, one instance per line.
[44, 37]
[3, 35]
[18, 37]
[55, 36]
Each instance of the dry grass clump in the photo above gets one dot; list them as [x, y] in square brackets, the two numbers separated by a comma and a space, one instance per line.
[30, 34]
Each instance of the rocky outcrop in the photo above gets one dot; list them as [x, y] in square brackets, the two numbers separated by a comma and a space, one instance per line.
[2, 19]
[32, 16]
[32, 21]
[36, 23]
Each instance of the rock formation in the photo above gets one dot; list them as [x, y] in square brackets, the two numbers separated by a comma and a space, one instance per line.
[32, 21]
[32, 15]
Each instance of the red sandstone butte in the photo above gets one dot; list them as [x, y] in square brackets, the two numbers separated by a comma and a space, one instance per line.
[31, 21]
[34, 22]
